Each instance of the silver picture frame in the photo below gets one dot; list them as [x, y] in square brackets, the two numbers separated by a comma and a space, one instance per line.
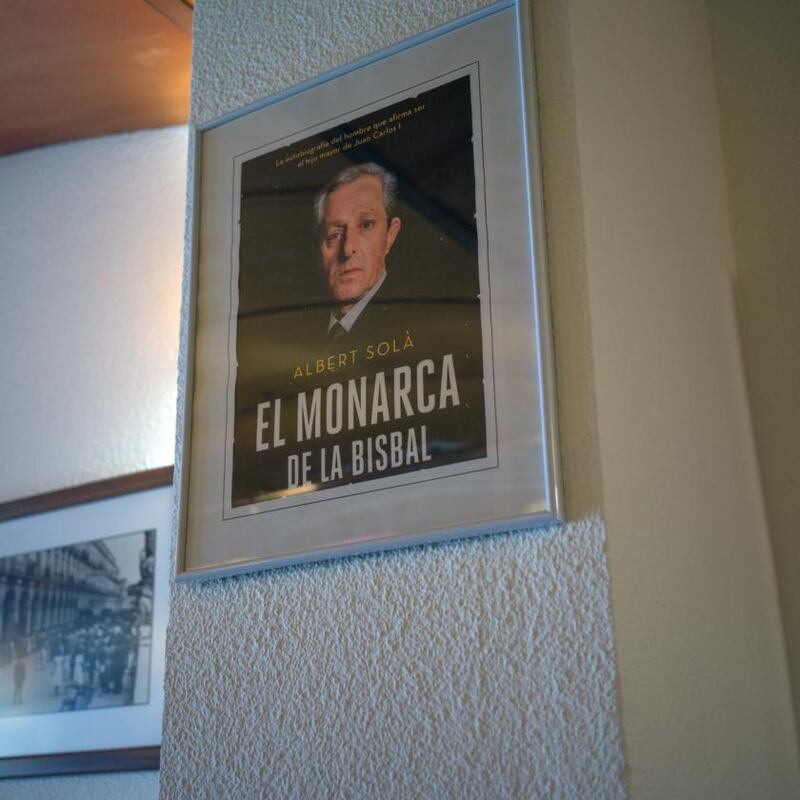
[280, 458]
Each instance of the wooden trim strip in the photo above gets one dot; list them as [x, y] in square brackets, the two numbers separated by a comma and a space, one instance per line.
[127, 760]
[178, 12]
[86, 493]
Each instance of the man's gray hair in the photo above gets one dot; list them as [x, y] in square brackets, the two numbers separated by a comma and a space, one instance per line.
[349, 175]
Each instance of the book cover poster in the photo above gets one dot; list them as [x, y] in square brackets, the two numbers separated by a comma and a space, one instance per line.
[358, 337]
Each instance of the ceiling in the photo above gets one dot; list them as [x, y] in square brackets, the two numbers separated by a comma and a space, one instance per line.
[72, 69]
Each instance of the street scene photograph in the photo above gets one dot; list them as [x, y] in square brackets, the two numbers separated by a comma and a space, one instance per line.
[76, 625]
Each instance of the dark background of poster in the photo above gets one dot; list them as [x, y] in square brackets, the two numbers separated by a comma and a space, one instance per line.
[432, 279]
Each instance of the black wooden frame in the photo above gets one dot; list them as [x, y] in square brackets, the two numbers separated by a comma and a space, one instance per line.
[118, 760]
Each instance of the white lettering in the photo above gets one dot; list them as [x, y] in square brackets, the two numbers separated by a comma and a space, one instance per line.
[308, 420]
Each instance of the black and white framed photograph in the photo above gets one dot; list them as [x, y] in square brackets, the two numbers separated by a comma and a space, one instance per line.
[83, 612]
[370, 361]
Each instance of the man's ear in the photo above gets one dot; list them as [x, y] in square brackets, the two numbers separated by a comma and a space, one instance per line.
[391, 233]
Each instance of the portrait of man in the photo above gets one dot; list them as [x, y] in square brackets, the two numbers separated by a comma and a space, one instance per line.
[357, 227]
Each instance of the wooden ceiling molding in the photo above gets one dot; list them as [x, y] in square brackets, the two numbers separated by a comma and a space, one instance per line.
[73, 69]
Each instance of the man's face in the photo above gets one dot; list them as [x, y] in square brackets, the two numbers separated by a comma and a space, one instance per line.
[356, 236]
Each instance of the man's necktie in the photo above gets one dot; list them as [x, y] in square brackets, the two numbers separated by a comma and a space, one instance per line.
[336, 332]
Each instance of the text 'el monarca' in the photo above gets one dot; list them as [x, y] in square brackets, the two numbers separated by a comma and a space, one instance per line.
[360, 403]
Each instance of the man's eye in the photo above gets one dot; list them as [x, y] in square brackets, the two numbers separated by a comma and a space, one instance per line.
[333, 237]
[367, 224]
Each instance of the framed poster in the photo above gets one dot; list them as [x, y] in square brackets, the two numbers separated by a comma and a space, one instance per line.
[369, 361]
[84, 595]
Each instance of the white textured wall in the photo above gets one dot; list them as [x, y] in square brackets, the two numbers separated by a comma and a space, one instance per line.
[114, 786]
[90, 263]
[90, 267]
[757, 59]
[474, 669]
[482, 668]
[466, 670]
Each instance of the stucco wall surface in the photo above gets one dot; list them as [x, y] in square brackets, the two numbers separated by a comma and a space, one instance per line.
[90, 275]
[292, 668]
[117, 786]
[481, 668]
[90, 269]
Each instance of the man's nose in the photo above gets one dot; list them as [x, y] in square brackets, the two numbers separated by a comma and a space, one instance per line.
[348, 244]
